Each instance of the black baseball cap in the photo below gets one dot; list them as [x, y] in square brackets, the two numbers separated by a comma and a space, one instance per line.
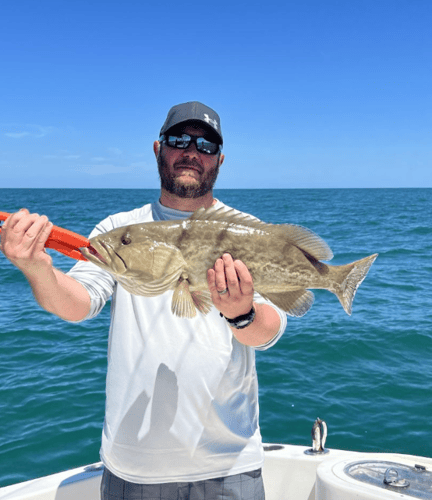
[193, 111]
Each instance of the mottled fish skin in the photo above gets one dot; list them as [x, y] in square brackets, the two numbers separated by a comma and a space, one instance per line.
[283, 259]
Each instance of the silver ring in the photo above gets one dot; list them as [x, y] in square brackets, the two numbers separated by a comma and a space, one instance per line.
[223, 291]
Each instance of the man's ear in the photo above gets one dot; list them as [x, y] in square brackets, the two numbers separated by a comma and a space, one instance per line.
[156, 148]
[221, 159]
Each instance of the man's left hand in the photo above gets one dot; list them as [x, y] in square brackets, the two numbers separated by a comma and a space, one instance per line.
[231, 286]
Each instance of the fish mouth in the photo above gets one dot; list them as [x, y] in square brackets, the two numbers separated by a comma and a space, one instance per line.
[91, 252]
[104, 255]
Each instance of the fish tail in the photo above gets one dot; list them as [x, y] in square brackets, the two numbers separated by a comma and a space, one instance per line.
[348, 288]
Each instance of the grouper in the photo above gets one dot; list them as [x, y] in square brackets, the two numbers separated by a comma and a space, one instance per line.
[284, 260]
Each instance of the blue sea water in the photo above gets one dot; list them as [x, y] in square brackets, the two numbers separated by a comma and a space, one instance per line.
[369, 376]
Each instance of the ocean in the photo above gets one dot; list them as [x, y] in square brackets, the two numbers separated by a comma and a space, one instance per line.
[369, 375]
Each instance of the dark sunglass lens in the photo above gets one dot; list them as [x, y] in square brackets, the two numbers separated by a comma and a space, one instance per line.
[181, 142]
[206, 146]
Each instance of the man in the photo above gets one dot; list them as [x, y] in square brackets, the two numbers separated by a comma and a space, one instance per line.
[182, 398]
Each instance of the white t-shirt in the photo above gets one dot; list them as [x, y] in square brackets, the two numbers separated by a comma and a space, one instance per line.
[181, 394]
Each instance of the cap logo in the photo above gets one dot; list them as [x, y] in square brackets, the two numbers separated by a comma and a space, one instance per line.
[207, 119]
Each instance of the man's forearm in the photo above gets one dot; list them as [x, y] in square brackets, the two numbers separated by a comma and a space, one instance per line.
[263, 328]
[60, 294]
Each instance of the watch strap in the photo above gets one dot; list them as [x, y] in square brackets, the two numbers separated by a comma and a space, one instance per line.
[242, 321]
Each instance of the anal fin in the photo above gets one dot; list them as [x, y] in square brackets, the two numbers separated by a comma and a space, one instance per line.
[295, 303]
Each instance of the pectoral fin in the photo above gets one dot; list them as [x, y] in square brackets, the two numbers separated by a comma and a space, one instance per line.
[137, 286]
[295, 303]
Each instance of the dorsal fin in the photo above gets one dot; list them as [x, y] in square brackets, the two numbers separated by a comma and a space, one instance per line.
[230, 216]
[299, 236]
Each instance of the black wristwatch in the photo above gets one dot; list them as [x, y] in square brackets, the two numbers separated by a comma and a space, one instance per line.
[241, 321]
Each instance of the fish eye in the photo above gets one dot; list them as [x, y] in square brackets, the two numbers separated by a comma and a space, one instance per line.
[126, 240]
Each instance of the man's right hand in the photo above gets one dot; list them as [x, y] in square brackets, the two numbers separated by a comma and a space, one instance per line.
[23, 238]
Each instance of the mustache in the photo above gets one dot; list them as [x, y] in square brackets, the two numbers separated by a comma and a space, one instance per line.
[186, 162]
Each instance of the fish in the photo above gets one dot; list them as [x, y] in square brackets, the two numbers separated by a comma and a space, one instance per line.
[285, 260]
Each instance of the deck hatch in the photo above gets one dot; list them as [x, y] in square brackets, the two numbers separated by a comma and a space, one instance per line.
[415, 482]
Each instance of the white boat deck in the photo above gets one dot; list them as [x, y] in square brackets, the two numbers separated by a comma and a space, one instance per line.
[289, 474]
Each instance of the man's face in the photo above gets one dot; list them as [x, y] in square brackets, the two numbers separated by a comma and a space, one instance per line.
[188, 173]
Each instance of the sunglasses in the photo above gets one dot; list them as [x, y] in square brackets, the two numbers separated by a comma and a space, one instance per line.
[183, 142]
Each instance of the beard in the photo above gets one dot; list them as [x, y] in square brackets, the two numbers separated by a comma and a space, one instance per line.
[174, 185]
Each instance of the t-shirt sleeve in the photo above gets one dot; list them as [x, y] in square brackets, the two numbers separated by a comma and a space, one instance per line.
[283, 322]
[98, 283]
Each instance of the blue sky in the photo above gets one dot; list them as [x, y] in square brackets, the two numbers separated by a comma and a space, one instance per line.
[311, 94]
